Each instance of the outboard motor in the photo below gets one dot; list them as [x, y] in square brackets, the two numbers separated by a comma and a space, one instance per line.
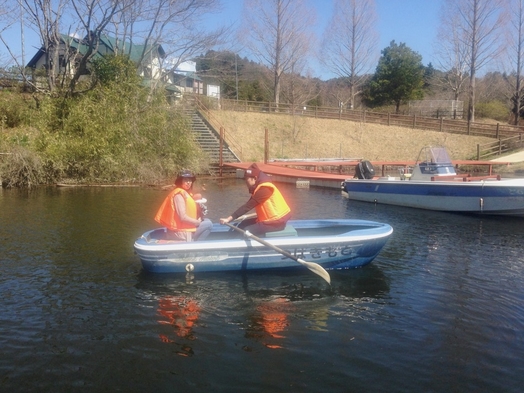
[364, 170]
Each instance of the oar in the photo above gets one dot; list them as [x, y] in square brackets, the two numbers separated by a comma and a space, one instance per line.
[245, 217]
[314, 267]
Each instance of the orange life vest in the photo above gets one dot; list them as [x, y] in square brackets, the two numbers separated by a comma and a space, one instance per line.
[168, 216]
[274, 207]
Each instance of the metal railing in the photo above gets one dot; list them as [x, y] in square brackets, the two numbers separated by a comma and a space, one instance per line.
[216, 125]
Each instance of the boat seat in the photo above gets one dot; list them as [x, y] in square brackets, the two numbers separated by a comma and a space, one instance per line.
[287, 231]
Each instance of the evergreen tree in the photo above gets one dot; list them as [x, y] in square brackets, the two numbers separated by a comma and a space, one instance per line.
[399, 77]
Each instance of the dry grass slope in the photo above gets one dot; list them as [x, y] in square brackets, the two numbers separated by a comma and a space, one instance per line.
[304, 137]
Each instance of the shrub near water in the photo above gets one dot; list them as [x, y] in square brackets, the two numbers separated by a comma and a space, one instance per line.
[118, 132]
[106, 136]
[16, 109]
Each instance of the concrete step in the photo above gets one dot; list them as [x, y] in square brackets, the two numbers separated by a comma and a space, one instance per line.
[210, 145]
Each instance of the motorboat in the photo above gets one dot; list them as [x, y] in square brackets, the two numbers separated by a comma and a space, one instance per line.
[434, 184]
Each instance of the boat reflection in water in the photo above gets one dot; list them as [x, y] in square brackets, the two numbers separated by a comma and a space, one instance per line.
[269, 322]
[181, 313]
[263, 308]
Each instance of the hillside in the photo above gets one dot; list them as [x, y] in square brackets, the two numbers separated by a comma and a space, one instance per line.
[305, 137]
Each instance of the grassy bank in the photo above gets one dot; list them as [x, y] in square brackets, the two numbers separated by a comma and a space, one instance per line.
[305, 137]
[122, 134]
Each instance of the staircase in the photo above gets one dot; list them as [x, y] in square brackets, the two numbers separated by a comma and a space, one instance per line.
[209, 140]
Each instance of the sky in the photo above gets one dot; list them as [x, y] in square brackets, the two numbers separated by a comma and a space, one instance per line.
[413, 22]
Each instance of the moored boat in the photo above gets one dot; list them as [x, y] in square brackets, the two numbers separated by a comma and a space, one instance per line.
[330, 243]
[433, 184]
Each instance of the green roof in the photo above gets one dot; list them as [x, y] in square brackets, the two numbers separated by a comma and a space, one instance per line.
[107, 45]
[113, 46]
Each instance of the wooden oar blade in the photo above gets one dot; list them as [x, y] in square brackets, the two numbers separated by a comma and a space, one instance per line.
[317, 269]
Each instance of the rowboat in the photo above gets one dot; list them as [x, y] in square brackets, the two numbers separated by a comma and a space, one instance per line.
[433, 184]
[330, 243]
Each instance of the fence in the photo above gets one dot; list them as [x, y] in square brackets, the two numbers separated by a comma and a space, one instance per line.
[453, 109]
[413, 121]
[499, 147]
[499, 131]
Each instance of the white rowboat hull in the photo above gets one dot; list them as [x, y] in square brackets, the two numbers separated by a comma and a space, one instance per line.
[333, 244]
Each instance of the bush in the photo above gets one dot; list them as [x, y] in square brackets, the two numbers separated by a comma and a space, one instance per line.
[21, 168]
[110, 135]
[14, 109]
[495, 110]
[118, 132]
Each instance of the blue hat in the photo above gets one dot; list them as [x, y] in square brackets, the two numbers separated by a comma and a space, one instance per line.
[184, 174]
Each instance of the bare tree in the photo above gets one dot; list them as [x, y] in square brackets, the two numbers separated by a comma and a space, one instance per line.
[45, 17]
[479, 23]
[6, 21]
[350, 43]
[515, 51]
[493, 87]
[453, 53]
[175, 25]
[61, 26]
[93, 17]
[278, 34]
[298, 90]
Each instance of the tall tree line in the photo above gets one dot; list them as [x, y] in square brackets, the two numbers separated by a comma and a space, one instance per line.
[475, 36]
[176, 25]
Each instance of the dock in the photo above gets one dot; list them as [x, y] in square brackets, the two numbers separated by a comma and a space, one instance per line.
[331, 173]
[300, 177]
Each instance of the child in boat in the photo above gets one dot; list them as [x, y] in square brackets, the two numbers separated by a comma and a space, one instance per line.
[272, 209]
[181, 214]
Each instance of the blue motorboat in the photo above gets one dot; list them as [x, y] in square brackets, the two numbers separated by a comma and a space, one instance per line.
[434, 184]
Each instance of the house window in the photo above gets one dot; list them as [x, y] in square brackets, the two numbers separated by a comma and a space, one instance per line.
[62, 61]
[198, 87]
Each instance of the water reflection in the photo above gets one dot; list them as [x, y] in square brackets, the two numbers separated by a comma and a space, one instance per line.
[181, 313]
[264, 306]
[269, 322]
[440, 309]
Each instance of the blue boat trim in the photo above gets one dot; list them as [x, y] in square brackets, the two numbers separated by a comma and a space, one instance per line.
[333, 244]
[433, 184]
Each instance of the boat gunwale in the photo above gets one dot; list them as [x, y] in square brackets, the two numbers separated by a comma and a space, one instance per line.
[375, 231]
[504, 182]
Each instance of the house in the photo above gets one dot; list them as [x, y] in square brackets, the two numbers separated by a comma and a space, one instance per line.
[148, 57]
[185, 77]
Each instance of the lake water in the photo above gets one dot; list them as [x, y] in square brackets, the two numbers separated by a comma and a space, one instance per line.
[441, 309]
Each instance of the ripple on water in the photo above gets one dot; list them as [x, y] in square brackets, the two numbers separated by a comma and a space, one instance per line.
[440, 309]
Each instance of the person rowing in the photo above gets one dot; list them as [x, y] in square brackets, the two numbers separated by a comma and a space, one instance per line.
[273, 212]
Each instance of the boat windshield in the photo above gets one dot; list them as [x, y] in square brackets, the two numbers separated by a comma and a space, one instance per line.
[434, 155]
[435, 161]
